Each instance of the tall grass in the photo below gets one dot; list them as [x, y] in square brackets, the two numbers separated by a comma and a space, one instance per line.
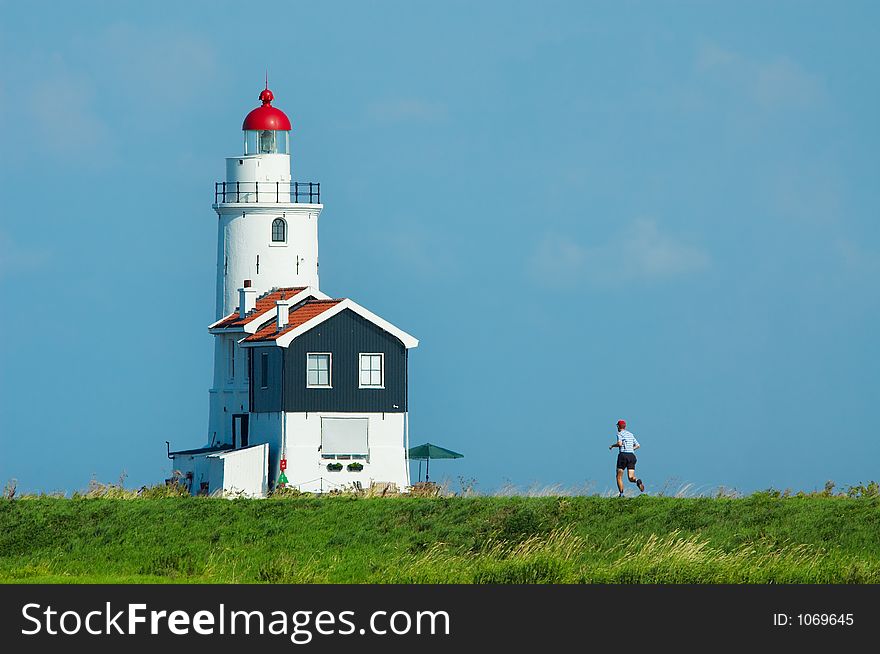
[160, 536]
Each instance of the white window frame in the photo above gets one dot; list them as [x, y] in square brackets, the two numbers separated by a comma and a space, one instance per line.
[280, 244]
[329, 356]
[230, 360]
[381, 356]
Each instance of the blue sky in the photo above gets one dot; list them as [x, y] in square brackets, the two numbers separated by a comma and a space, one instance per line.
[666, 212]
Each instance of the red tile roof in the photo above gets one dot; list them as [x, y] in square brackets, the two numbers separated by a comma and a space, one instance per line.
[264, 303]
[297, 316]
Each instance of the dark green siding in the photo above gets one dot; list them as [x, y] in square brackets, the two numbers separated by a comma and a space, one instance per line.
[345, 336]
[265, 399]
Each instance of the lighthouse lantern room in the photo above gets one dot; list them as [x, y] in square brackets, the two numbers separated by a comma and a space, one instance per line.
[308, 391]
[266, 129]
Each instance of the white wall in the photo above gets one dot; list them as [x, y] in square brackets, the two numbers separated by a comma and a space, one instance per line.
[251, 168]
[236, 472]
[267, 428]
[245, 232]
[227, 393]
[308, 471]
[244, 472]
[200, 466]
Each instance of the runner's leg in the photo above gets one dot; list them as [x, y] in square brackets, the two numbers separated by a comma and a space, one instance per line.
[631, 473]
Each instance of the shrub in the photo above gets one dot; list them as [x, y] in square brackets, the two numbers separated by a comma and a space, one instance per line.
[286, 491]
[871, 489]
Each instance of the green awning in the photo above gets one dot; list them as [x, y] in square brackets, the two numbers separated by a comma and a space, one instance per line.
[431, 451]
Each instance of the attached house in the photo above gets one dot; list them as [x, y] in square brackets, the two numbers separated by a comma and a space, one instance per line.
[324, 382]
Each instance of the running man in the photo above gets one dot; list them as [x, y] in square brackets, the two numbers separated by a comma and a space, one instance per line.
[626, 458]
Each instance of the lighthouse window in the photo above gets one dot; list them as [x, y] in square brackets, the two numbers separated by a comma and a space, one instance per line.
[318, 370]
[279, 230]
[267, 141]
[264, 370]
[371, 371]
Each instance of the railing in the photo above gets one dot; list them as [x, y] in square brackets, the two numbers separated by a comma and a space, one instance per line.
[242, 192]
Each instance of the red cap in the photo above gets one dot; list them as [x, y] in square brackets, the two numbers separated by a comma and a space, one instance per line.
[267, 116]
[621, 423]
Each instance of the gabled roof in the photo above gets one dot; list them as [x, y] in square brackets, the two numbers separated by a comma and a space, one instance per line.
[298, 315]
[264, 309]
[312, 313]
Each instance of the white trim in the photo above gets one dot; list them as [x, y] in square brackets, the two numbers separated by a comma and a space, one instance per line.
[266, 207]
[285, 340]
[329, 383]
[406, 446]
[252, 325]
[381, 356]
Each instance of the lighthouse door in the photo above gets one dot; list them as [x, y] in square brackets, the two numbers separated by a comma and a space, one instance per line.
[240, 430]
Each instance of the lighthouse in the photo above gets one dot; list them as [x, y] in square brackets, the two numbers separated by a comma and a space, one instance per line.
[267, 228]
[309, 391]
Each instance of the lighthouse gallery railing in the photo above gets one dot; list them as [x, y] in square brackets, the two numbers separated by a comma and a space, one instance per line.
[242, 192]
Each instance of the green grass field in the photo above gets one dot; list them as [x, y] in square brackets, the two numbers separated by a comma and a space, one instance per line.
[762, 538]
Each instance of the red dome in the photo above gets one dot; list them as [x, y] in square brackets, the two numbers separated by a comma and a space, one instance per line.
[267, 116]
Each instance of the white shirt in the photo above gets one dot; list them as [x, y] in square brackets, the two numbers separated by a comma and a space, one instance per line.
[626, 441]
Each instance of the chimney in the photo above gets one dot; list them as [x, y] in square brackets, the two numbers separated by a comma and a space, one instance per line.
[283, 307]
[247, 299]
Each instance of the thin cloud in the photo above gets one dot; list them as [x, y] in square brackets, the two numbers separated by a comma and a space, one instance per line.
[776, 83]
[640, 253]
[558, 261]
[163, 69]
[84, 112]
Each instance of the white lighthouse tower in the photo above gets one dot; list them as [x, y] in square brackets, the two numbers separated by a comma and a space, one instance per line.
[268, 224]
[267, 238]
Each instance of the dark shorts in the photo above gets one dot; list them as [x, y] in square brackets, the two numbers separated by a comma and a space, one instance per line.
[626, 460]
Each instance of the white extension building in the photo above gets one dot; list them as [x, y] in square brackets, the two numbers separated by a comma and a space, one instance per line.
[309, 391]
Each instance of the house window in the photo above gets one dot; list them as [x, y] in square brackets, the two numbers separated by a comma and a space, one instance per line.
[264, 370]
[344, 438]
[231, 359]
[279, 230]
[318, 370]
[371, 371]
